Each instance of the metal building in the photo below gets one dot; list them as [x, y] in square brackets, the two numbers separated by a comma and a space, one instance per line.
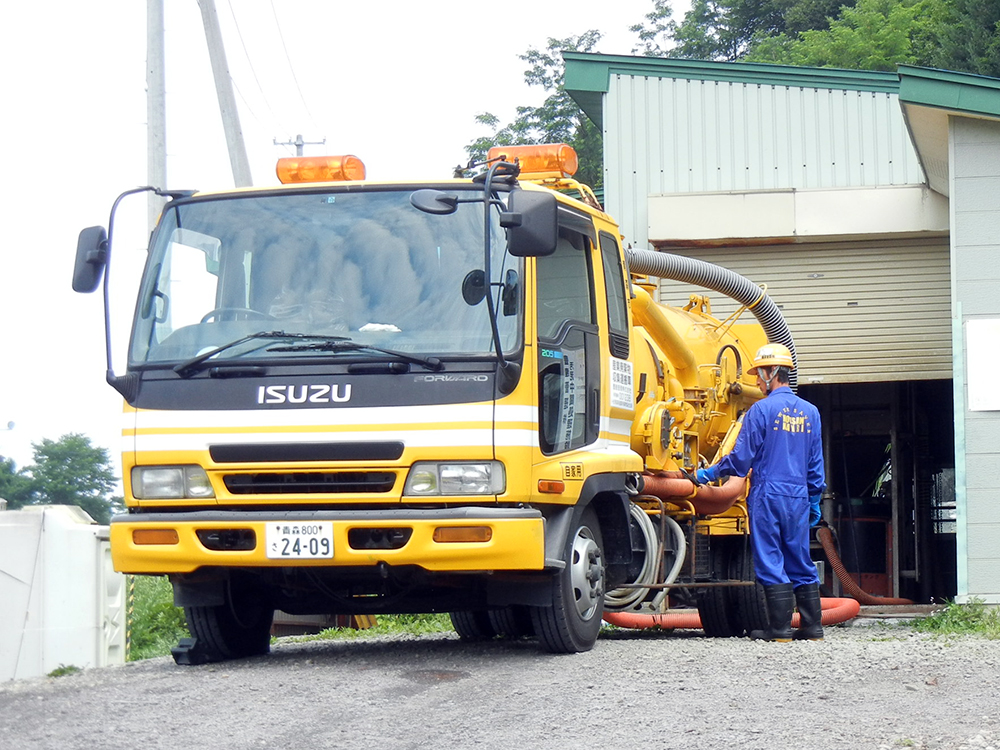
[867, 204]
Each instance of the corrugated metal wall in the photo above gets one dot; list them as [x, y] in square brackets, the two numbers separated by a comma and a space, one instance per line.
[670, 135]
[859, 311]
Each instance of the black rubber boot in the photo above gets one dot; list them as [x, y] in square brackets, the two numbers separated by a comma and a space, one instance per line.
[810, 613]
[780, 603]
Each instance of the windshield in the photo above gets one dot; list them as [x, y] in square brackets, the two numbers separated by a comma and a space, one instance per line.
[367, 267]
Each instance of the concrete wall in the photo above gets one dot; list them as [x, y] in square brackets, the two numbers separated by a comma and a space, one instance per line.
[974, 146]
[61, 603]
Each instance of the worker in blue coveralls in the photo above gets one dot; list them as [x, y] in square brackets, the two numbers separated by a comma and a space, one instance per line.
[781, 440]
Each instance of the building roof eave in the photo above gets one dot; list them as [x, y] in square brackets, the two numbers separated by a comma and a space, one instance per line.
[588, 75]
[928, 97]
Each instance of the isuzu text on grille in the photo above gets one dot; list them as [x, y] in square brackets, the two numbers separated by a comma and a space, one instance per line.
[301, 394]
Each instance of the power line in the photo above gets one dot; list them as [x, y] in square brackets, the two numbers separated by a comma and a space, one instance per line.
[246, 104]
[291, 68]
[246, 54]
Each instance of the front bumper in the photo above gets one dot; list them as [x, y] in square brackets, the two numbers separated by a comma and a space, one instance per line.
[517, 541]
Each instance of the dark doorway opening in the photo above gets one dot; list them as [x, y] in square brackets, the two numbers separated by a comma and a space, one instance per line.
[890, 458]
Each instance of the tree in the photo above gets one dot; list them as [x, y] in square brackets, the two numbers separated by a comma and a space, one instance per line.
[873, 35]
[725, 29]
[557, 120]
[970, 38]
[806, 15]
[654, 38]
[15, 486]
[71, 471]
[702, 34]
[962, 35]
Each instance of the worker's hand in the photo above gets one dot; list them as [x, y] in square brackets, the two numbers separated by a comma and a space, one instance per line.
[815, 516]
[702, 476]
[689, 476]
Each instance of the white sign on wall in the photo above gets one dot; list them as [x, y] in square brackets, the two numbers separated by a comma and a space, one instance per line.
[982, 346]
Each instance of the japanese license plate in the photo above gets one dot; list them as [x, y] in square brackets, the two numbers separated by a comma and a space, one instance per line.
[312, 540]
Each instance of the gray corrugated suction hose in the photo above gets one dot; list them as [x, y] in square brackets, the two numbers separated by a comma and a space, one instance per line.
[724, 281]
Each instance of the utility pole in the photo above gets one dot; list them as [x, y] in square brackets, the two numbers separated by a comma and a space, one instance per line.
[299, 143]
[227, 100]
[156, 109]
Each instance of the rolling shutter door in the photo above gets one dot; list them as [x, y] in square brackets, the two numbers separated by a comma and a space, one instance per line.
[859, 312]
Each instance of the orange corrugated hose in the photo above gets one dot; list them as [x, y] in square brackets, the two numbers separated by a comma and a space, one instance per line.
[825, 537]
[834, 611]
[707, 499]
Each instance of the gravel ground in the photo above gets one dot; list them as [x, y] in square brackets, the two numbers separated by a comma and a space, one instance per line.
[866, 686]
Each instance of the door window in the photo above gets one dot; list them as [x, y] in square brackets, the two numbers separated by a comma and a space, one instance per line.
[568, 360]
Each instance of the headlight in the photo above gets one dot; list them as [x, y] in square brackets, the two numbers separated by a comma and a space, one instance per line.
[466, 478]
[169, 482]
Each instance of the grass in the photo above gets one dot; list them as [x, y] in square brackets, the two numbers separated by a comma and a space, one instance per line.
[974, 618]
[388, 625]
[62, 670]
[157, 625]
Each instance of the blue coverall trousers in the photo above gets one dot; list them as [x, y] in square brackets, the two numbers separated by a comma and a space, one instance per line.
[779, 536]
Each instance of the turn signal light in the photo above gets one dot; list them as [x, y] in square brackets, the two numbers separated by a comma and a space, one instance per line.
[463, 534]
[545, 160]
[293, 169]
[154, 536]
[551, 486]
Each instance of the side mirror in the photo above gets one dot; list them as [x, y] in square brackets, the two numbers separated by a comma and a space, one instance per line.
[434, 201]
[532, 224]
[474, 287]
[91, 256]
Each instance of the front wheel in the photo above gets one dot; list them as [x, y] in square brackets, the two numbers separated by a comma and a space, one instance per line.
[573, 621]
[239, 627]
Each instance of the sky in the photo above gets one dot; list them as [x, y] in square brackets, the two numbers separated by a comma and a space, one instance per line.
[398, 84]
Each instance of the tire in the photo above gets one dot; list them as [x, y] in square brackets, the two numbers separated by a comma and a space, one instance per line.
[573, 621]
[715, 605]
[238, 628]
[749, 601]
[512, 623]
[473, 626]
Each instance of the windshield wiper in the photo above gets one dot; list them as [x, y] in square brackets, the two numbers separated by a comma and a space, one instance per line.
[191, 366]
[342, 344]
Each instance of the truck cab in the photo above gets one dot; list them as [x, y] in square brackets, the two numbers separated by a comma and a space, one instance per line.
[355, 397]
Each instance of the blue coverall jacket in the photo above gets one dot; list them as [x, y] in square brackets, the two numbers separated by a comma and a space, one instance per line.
[781, 440]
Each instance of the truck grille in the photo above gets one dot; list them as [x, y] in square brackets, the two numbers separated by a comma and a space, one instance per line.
[381, 450]
[310, 483]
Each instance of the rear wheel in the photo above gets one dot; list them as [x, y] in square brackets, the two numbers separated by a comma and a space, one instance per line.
[239, 627]
[473, 625]
[573, 621]
[512, 622]
[715, 605]
[749, 601]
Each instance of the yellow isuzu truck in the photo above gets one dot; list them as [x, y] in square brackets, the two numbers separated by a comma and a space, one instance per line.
[357, 397]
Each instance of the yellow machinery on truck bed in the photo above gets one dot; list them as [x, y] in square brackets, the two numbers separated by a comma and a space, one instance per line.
[356, 397]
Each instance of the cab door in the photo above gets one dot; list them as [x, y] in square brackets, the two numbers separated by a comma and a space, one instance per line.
[569, 399]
